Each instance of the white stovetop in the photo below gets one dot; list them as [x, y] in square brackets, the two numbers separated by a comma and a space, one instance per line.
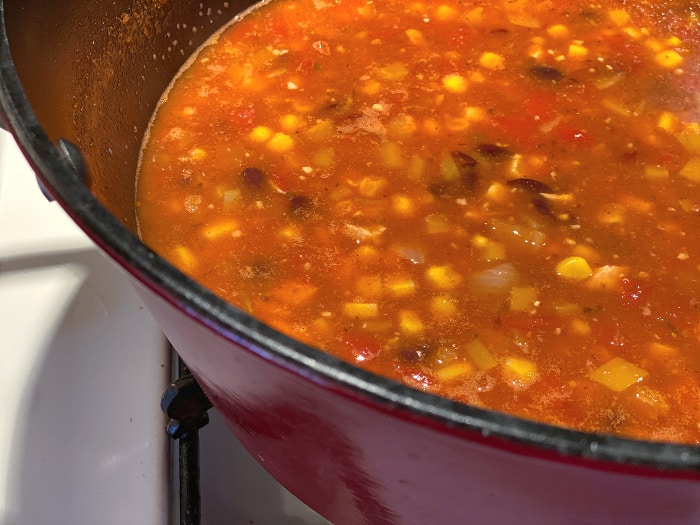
[82, 369]
[79, 355]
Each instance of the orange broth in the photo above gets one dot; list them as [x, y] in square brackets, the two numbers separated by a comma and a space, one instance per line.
[496, 202]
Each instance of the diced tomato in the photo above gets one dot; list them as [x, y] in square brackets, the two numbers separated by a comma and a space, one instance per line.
[242, 117]
[635, 293]
[541, 106]
[608, 333]
[522, 131]
[530, 324]
[306, 66]
[362, 346]
[573, 135]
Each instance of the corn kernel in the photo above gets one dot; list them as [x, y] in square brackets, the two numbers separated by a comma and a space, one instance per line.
[493, 61]
[455, 83]
[415, 36]
[290, 122]
[291, 233]
[410, 322]
[558, 31]
[402, 205]
[361, 310]
[668, 58]
[443, 277]
[445, 13]
[619, 17]
[577, 51]
[260, 134]
[667, 121]
[443, 306]
[455, 371]
[618, 374]
[280, 143]
[574, 268]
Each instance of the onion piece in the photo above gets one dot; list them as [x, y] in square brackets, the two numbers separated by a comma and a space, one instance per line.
[495, 281]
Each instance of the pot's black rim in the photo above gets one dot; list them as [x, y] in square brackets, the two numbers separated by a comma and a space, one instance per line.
[108, 233]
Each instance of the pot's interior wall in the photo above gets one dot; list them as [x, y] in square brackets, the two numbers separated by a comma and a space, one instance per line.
[93, 72]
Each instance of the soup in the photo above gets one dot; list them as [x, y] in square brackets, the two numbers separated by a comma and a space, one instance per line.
[497, 202]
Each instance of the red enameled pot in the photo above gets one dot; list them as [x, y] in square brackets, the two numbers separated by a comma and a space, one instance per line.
[354, 446]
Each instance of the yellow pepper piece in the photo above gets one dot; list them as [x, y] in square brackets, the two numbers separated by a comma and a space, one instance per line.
[524, 370]
[691, 170]
[481, 356]
[618, 374]
[455, 371]
[361, 310]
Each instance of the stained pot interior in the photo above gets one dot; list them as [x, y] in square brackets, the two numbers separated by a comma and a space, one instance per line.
[94, 71]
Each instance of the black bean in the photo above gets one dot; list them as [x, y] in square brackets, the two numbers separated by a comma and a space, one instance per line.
[463, 160]
[414, 354]
[546, 73]
[300, 205]
[253, 177]
[531, 185]
[494, 151]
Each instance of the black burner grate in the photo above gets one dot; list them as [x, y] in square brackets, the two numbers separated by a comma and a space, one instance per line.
[186, 406]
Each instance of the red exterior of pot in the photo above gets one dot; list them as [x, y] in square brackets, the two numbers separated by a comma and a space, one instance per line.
[359, 461]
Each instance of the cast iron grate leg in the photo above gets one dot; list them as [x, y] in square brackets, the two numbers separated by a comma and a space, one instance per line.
[186, 406]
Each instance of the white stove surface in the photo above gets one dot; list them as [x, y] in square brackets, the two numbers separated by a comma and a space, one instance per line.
[82, 369]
